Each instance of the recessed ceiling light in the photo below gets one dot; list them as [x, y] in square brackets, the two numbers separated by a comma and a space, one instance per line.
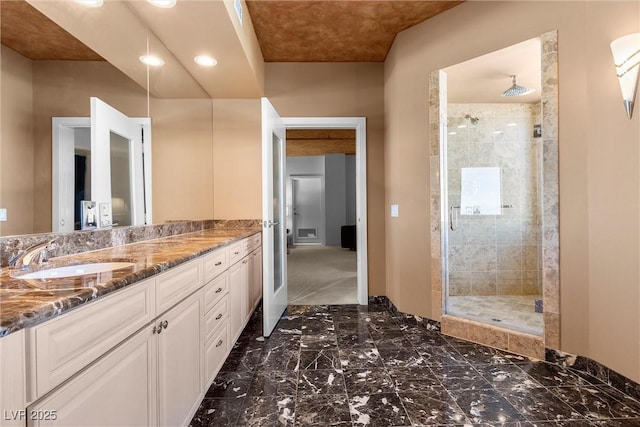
[452, 133]
[205, 60]
[154, 61]
[512, 124]
[91, 3]
[163, 3]
[462, 126]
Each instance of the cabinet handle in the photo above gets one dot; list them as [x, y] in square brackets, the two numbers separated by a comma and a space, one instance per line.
[157, 329]
[245, 261]
[218, 263]
[219, 316]
[236, 253]
[218, 290]
[165, 324]
[219, 343]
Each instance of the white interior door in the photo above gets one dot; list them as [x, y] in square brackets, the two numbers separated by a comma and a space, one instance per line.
[307, 210]
[116, 146]
[273, 200]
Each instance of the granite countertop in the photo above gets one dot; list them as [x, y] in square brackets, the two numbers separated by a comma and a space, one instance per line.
[25, 303]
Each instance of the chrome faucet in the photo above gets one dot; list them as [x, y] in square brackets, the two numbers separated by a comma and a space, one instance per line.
[33, 255]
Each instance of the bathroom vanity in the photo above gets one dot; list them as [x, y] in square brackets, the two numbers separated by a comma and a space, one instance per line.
[137, 346]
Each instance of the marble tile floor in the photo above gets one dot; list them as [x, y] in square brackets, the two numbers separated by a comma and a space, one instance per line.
[349, 365]
[510, 311]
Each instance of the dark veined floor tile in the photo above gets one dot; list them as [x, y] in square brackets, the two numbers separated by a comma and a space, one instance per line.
[486, 406]
[319, 359]
[230, 384]
[551, 375]
[274, 383]
[506, 376]
[321, 381]
[322, 410]
[360, 357]
[435, 407]
[368, 381]
[540, 404]
[401, 357]
[217, 412]
[268, 411]
[415, 379]
[383, 409]
[594, 403]
[460, 377]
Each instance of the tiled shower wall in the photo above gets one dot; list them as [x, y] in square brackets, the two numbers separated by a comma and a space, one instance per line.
[496, 254]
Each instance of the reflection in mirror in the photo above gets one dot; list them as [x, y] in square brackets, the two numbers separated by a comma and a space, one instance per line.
[82, 172]
[121, 202]
[46, 72]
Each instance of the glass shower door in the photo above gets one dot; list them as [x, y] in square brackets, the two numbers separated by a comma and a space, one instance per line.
[493, 187]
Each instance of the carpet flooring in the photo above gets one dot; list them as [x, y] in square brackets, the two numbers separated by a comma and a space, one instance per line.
[320, 275]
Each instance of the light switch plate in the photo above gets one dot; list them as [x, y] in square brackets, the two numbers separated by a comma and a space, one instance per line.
[394, 211]
[3, 214]
[105, 215]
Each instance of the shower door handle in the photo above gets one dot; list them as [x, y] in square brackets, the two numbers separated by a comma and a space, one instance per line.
[453, 214]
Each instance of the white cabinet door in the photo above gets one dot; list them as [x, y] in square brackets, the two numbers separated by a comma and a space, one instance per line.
[117, 390]
[180, 371]
[255, 286]
[238, 284]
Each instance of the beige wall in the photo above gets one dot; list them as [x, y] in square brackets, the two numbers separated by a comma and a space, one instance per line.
[342, 90]
[599, 163]
[237, 159]
[16, 144]
[182, 162]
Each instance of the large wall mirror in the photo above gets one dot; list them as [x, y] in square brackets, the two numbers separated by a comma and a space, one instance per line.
[55, 77]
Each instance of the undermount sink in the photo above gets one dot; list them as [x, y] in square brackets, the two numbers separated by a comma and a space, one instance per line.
[74, 270]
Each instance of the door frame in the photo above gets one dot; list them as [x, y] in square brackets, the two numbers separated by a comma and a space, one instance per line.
[321, 232]
[359, 124]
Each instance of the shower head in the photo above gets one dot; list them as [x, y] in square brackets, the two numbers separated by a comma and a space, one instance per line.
[473, 120]
[516, 90]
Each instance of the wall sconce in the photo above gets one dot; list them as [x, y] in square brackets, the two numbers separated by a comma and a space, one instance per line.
[626, 57]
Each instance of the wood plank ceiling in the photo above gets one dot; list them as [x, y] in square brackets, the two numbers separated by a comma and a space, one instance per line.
[318, 142]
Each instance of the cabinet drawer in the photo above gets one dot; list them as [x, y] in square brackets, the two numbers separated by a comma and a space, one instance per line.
[216, 352]
[237, 251]
[177, 284]
[256, 242]
[68, 343]
[216, 317]
[215, 263]
[215, 290]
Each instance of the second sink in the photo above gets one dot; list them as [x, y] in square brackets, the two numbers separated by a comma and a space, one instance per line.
[74, 270]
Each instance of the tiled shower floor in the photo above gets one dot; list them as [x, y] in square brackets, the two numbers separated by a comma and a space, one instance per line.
[509, 311]
[354, 366]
